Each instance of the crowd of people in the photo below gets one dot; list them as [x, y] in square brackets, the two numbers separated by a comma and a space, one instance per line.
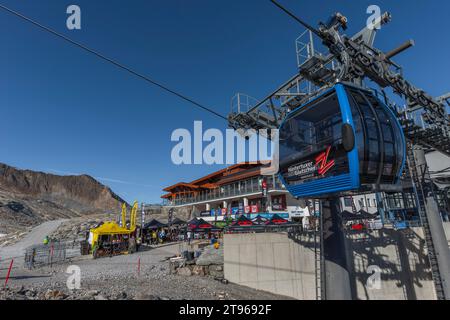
[166, 235]
[161, 235]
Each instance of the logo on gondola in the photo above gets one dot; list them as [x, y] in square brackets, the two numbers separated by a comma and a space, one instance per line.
[315, 167]
[322, 163]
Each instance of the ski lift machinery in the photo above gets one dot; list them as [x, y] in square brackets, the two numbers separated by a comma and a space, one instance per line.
[339, 138]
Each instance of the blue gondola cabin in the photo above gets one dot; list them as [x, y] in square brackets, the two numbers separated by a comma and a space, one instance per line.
[344, 141]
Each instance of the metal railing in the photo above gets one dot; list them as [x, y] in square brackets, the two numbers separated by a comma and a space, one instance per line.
[241, 188]
[291, 228]
[49, 254]
[242, 103]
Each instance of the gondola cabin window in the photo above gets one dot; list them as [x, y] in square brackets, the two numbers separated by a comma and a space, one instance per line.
[378, 139]
[311, 143]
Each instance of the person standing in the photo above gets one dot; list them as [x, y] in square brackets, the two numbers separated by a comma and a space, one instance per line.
[154, 237]
[189, 236]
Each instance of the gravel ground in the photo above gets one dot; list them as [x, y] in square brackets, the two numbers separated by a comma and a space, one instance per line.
[118, 278]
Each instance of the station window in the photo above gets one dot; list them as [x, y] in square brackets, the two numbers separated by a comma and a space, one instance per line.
[279, 202]
[348, 202]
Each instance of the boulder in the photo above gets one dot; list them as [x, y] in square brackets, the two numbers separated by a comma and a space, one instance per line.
[92, 293]
[216, 271]
[210, 256]
[199, 270]
[54, 294]
[174, 264]
[185, 271]
[216, 267]
[145, 296]
[121, 296]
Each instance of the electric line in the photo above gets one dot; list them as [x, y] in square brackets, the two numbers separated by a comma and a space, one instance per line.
[303, 23]
[115, 63]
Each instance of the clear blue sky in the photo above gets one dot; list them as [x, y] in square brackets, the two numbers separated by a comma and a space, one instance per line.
[63, 110]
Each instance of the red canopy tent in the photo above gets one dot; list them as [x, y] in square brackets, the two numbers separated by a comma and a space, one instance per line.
[276, 220]
[200, 225]
[259, 220]
[243, 221]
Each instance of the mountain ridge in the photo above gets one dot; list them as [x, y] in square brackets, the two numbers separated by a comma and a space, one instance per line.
[30, 197]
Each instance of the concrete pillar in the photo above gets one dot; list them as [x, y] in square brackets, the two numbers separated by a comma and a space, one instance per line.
[336, 275]
[225, 205]
[245, 202]
[440, 244]
[269, 203]
[208, 207]
[435, 224]
[380, 207]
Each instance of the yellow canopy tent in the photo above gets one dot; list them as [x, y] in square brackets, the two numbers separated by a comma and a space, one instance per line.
[109, 228]
[112, 228]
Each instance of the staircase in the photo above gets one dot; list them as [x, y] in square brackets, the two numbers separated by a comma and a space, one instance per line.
[418, 179]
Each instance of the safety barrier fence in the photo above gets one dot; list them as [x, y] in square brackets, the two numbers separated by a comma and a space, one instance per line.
[54, 252]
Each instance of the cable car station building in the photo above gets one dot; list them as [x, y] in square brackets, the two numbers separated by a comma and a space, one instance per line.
[237, 189]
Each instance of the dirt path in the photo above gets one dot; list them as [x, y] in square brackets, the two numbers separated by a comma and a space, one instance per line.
[35, 237]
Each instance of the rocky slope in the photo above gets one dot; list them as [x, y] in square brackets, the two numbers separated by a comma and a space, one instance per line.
[28, 198]
[161, 213]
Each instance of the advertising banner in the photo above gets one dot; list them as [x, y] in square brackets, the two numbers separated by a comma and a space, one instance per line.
[205, 213]
[241, 208]
[278, 207]
[234, 211]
